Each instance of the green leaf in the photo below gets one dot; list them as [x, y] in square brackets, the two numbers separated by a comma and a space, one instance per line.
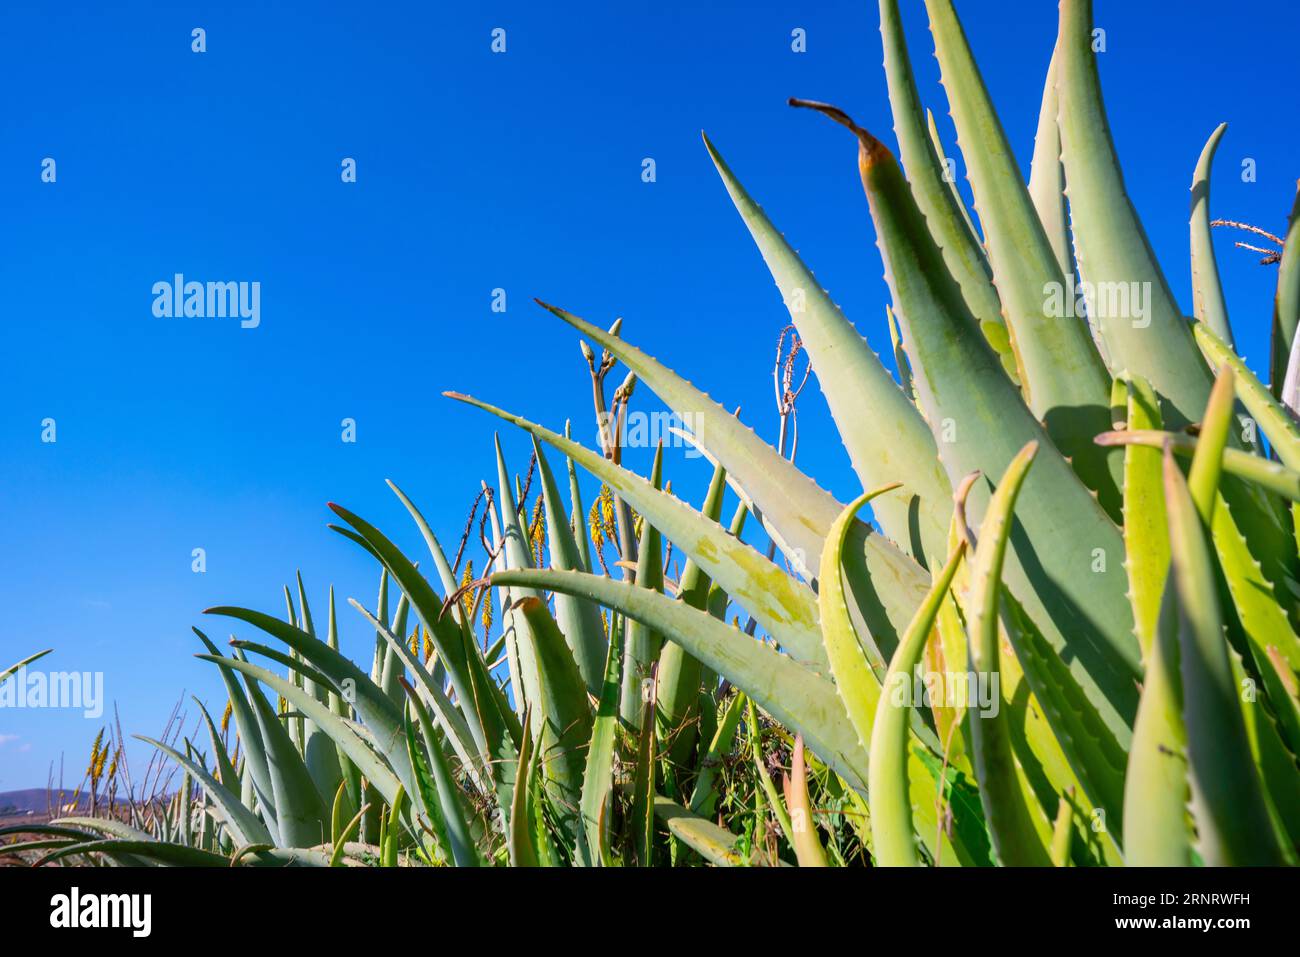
[1047, 176]
[891, 444]
[887, 779]
[1286, 303]
[641, 651]
[521, 833]
[1065, 567]
[1110, 243]
[565, 716]
[380, 775]
[782, 605]
[1232, 820]
[1065, 382]
[935, 191]
[1013, 824]
[791, 507]
[438, 788]
[578, 620]
[245, 828]
[18, 666]
[1207, 292]
[715, 844]
[598, 776]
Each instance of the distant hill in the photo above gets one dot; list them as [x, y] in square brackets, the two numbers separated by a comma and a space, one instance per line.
[37, 801]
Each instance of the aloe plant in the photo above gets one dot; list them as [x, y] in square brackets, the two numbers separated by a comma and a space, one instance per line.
[1118, 590]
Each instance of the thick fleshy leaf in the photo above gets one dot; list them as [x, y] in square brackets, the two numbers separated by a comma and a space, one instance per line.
[579, 621]
[933, 182]
[791, 507]
[1065, 381]
[1047, 177]
[244, 825]
[782, 605]
[893, 444]
[888, 789]
[1015, 822]
[715, 844]
[1065, 565]
[1142, 325]
[1232, 822]
[1208, 303]
[1286, 303]
[642, 643]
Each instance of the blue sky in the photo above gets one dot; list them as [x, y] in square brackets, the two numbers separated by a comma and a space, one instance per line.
[476, 171]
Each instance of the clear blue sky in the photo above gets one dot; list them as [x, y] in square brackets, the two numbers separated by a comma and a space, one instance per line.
[475, 171]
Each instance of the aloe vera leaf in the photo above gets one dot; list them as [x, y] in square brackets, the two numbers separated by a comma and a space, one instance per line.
[18, 666]
[893, 443]
[244, 825]
[440, 563]
[1265, 473]
[642, 643]
[935, 192]
[473, 751]
[465, 667]
[508, 630]
[856, 684]
[344, 835]
[256, 763]
[680, 674]
[1061, 831]
[807, 845]
[1077, 578]
[1047, 177]
[1274, 759]
[1110, 243]
[1272, 417]
[782, 605]
[226, 773]
[566, 716]
[1286, 302]
[598, 775]
[1003, 340]
[517, 554]
[789, 504]
[1016, 830]
[452, 811]
[299, 809]
[642, 832]
[1157, 831]
[427, 805]
[792, 695]
[887, 775]
[1156, 828]
[901, 361]
[1065, 381]
[1208, 303]
[1146, 535]
[576, 522]
[763, 777]
[704, 796]
[520, 831]
[715, 844]
[579, 621]
[374, 707]
[362, 752]
[1233, 825]
[163, 852]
